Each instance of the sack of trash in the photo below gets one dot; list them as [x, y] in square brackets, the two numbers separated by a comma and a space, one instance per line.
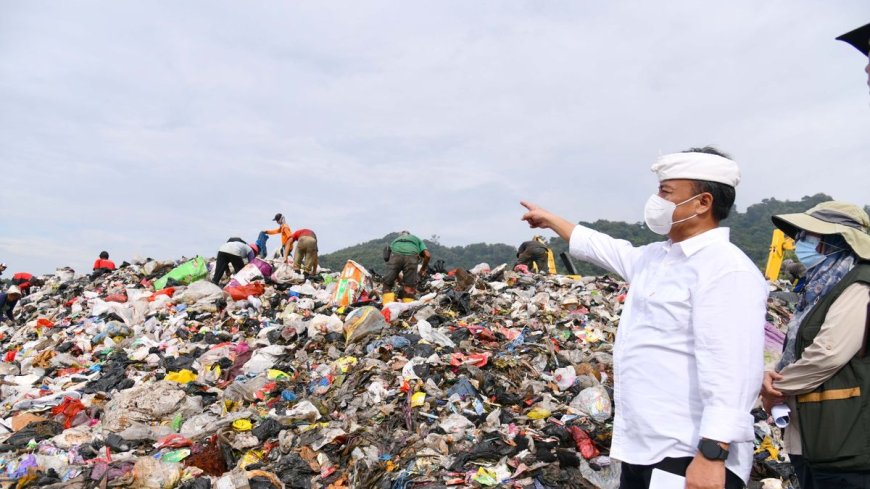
[184, 274]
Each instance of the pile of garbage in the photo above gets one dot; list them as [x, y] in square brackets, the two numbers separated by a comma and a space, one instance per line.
[153, 377]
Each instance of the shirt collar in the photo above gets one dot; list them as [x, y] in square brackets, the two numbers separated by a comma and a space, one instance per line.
[696, 243]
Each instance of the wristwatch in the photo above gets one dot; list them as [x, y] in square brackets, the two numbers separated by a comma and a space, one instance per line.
[712, 450]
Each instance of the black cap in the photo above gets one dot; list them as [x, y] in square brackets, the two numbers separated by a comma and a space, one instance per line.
[278, 217]
[860, 38]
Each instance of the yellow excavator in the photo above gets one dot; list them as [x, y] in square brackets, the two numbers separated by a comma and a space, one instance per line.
[779, 244]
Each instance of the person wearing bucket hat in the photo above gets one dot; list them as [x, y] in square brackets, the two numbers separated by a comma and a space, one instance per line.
[860, 39]
[824, 373]
[284, 230]
[8, 301]
[689, 346]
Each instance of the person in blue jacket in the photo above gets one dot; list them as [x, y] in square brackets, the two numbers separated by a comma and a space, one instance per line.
[8, 301]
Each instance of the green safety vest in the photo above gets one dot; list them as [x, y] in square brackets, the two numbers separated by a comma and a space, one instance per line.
[835, 418]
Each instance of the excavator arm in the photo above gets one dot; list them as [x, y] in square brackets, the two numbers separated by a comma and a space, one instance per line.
[779, 243]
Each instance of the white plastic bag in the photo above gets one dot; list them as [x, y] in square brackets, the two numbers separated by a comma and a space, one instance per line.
[594, 402]
[201, 290]
[432, 335]
[284, 274]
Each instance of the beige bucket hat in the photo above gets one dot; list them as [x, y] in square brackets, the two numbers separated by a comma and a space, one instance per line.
[832, 217]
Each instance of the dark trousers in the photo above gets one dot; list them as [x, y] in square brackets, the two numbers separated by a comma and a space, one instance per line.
[404, 264]
[638, 476]
[221, 266]
[810, 478]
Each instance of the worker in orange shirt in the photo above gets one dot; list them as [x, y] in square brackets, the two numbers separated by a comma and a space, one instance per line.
[104, 262]
[285, 231]
[25, 281]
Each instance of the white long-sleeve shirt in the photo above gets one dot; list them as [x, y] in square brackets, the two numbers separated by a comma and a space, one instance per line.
[688, 357]
[236, 248]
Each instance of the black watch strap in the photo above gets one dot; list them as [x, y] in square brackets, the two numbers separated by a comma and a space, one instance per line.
[711, 450]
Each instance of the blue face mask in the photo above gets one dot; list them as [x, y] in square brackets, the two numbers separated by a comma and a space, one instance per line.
[805, 249]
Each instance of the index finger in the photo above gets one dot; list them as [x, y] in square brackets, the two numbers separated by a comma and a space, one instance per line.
[528, 205]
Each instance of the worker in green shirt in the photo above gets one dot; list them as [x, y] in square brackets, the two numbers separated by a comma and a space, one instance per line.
[403, 256]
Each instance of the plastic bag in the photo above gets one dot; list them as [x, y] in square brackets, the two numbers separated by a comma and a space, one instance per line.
[363, 322]
[262, 359]
[248, 274]
[565, 377]
[241, 292]
[186, 273]
[65, 274]
[284, 274]
[149, 473]
[264, 267]
[594, 402]
[605, 478]
[432, 335]
[201, 290]
[353, 281]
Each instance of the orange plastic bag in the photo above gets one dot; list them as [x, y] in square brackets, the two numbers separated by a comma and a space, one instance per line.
[44, 323]
[168, 291]
[240, 292]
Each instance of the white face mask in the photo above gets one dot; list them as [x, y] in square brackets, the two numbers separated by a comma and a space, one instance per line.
[658, 213]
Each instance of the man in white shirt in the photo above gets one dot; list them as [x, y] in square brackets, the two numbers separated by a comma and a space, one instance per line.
[688, 356]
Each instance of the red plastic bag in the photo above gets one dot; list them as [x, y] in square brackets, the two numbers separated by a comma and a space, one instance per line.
[477, 359]
[173, 441]
[122, 297]
[44, 323]
[240, 292]
[169, 291]
[68, 410]
[585, 445]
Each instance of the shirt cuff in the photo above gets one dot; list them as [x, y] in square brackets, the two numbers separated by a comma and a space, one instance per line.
[726, 425]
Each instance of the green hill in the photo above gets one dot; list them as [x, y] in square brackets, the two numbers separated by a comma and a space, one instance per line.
[750, 230]
[370, 254]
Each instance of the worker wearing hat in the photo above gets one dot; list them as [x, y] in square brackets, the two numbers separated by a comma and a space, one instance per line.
[8, 301]
[688, 356]
[860, 39]
[824, 374]
[284, 230]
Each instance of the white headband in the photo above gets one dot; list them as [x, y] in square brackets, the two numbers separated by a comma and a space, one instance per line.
[697, 166]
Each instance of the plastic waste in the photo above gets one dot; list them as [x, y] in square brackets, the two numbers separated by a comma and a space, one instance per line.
[353, 281]
[432, 335]
[182, 377]
[564, 377]
[241, 292]
[184, 274]
[476, 383]
[201, 290]
[594, 402]
[149, 473]
[363, 322]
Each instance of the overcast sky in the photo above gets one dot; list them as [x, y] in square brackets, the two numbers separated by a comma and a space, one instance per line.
[162, 128]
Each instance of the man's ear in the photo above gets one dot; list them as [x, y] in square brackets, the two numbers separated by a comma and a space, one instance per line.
[705, 203]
